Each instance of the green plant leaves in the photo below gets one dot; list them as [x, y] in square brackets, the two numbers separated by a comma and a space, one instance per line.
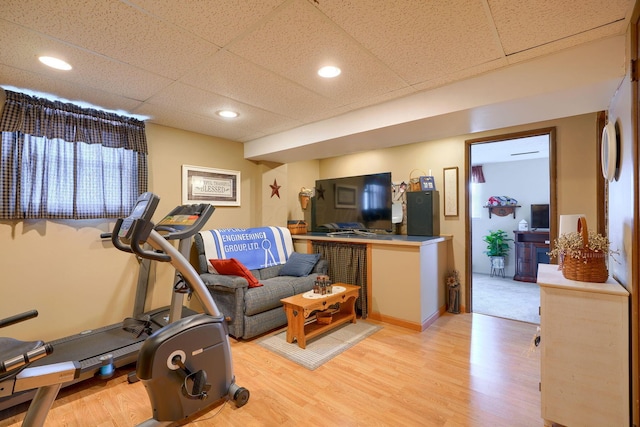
[497, 243]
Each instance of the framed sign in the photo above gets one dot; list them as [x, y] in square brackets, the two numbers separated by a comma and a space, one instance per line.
[450, 191]
[427, 183]
[219, 187]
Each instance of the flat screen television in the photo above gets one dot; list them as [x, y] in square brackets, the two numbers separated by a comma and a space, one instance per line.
[539, 216]
[360, 202]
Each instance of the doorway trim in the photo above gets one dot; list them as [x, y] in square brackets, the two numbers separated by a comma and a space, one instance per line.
[553, 230]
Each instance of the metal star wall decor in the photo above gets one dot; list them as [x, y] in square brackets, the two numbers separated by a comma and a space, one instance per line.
[320, 192]
[275, 189]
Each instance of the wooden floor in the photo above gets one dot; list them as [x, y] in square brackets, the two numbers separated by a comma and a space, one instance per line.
[464, 370]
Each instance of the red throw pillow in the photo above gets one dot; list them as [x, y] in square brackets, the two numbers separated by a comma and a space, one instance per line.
[234, 267]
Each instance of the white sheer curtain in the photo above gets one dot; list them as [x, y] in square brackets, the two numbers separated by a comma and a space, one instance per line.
[61, 161]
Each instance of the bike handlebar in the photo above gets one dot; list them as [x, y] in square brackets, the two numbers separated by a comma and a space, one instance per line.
[12, 320]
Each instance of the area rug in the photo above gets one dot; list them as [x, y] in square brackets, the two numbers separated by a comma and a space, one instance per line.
[321, 348]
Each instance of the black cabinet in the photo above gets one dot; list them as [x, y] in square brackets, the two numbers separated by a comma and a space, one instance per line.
[531, 249]
[423, 213]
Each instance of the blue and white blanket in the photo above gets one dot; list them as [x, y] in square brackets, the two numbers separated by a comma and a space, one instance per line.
[255, 248]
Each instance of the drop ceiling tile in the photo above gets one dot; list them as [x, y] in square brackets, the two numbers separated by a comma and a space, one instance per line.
[299, 39]
[419, 40]
[326, 114]
[126, 51]
[236, 78]
[523, 26]
[196, 101]
[604, 32]
[48, 87]
[89, 70]
[461, 74]
[113, 29]
[218, 22]
[165, 116]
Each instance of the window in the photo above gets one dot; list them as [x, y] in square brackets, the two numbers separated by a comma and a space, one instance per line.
[61, 161]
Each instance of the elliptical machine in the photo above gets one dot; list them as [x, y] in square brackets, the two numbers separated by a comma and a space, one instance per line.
[185, 366]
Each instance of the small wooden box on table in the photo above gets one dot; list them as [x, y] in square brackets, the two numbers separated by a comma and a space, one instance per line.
[298, 309]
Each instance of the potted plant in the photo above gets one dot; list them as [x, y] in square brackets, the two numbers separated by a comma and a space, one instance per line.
[497, 248]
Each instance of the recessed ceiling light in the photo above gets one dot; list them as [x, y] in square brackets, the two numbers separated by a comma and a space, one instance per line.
[329, 71]
[227, 114]
[56, 63]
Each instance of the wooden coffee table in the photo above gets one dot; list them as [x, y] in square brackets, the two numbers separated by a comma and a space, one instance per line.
[299, 309]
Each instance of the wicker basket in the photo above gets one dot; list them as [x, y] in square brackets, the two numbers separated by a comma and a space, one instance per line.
[297, 227]
[414, 181]
[590, 266]
[324, 317]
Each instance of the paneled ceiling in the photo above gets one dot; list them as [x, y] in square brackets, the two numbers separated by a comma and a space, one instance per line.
[411, 70]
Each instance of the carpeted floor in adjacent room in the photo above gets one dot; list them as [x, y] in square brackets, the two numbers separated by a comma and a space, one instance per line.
[506, 298]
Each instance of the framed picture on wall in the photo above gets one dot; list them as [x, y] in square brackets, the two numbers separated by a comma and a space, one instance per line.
[219, 187]
[450, 191]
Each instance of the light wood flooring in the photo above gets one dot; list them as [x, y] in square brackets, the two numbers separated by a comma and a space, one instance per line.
[464, 370]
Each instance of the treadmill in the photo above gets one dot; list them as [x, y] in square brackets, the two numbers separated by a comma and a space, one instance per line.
[119, 344]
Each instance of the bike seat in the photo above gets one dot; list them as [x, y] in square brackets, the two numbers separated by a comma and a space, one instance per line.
[10, 348]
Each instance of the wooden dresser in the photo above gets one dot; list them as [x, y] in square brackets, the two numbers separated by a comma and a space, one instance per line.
[531, 249]
[584, 359]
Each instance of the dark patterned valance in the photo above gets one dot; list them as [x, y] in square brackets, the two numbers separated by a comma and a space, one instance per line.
[55, 119]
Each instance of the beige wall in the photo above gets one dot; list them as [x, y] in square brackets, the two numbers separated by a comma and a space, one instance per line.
[274, 195]
[171, 148]
[78, 282]
[577, 168]
[300, 174]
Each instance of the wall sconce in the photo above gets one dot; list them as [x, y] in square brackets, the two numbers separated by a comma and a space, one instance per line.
[305, 195]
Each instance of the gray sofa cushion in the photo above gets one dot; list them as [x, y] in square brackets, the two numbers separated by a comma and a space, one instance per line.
[262, 322]
[267, 273]
[267, 296]
[274, 289]
[299, 265]
[303, 284]
[251, 312]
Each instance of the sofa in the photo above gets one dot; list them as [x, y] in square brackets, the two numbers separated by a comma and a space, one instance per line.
[248, 271]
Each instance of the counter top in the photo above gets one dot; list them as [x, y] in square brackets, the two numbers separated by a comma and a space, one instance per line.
[550, 276]
[383, 239]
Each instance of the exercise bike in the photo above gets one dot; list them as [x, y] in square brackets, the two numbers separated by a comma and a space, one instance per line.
[185, 366]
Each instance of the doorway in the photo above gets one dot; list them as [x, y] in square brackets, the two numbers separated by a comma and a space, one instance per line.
[506, 175]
